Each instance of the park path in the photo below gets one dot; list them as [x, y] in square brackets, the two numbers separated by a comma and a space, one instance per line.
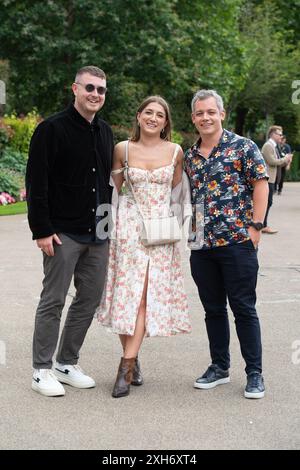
[166, 412]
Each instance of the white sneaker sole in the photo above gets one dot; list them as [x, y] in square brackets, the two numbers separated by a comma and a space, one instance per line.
[226, 380]
[49, 392]
[254, 395]
[63, 378]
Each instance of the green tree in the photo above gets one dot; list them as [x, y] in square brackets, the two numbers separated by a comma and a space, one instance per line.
[271, 62]
[247, 50]
[171, 48]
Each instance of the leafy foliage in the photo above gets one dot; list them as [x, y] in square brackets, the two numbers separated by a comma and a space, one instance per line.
[10, 181]
[12, 172]
[21, 130]
[248, 50]
[4, 136]
[13, 160]
[167, 48]
[120, 133]
[271, 61]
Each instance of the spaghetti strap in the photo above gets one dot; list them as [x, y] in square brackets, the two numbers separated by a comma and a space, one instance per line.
[126, 160]
[175, 154]
[126, 153]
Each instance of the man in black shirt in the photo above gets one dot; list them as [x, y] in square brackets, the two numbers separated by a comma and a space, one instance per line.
[67, 178]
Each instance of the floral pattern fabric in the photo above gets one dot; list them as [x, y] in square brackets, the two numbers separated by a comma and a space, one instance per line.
[129, 259]
[221, 189]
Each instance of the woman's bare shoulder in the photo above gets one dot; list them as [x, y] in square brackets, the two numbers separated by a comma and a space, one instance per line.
[120, 145]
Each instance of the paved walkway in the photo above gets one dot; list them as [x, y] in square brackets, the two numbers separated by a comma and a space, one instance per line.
[167, 412]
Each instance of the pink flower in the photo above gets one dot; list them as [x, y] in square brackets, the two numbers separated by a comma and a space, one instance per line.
[23, 195]
[6, 198]
[3, 200]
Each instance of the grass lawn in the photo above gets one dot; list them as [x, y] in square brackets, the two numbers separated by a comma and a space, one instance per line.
[11, 209]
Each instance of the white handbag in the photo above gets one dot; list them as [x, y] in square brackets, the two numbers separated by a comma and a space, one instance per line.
[156, 230]
[160, 231]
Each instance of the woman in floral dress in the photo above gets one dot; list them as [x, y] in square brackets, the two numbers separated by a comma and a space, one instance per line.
[144, 293]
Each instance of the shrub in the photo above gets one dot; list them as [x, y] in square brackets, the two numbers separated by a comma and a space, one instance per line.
[12, 172]
[120, 133]
[4, 136]
[15, 135]
[13, 160]
[294, 173]
[21, 130]
[188, 139]
[177, 137]
[125, 99]
[5, 199]
[10, 182]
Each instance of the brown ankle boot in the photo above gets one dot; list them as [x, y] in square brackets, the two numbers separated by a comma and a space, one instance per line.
[124, 378]
[137, 378]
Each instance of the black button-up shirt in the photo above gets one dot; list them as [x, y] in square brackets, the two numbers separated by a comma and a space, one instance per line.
[68, 174]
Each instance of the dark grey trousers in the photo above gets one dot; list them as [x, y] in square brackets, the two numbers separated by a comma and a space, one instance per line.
[88, 265]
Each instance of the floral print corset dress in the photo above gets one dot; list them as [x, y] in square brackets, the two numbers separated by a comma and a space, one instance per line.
[129, 260]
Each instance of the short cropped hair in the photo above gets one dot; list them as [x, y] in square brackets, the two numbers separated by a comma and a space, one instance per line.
[92, 70]
[201, 95]
[273, 129]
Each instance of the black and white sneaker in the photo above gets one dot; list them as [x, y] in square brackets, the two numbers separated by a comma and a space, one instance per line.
[73, 375]
[212, 377]
[45, 382]
[255, 387]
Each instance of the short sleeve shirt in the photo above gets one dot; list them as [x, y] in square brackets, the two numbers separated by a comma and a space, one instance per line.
[221, 189]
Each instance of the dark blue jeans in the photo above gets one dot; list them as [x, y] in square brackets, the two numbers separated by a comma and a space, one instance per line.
[229, 272]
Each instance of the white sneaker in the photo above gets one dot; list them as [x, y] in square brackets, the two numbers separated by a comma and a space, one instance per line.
[45, 382]
[73, 375]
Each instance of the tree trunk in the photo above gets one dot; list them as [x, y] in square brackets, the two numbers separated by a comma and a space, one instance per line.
[268, 117]
[241, 114]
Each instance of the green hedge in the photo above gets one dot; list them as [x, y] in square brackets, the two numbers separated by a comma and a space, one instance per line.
[12, 172]
[4, 136]
[21, 130]
[15, 135]
[11, 182]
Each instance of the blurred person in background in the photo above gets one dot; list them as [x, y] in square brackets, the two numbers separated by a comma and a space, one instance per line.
[273, 161]
[284, 149]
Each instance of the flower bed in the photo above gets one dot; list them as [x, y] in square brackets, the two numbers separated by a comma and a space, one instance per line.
[15, 135]
[6, 198]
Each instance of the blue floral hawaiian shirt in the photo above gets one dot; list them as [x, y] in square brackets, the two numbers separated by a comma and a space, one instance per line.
[221, 188]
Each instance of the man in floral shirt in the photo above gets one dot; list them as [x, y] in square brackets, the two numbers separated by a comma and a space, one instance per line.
[229, 196]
